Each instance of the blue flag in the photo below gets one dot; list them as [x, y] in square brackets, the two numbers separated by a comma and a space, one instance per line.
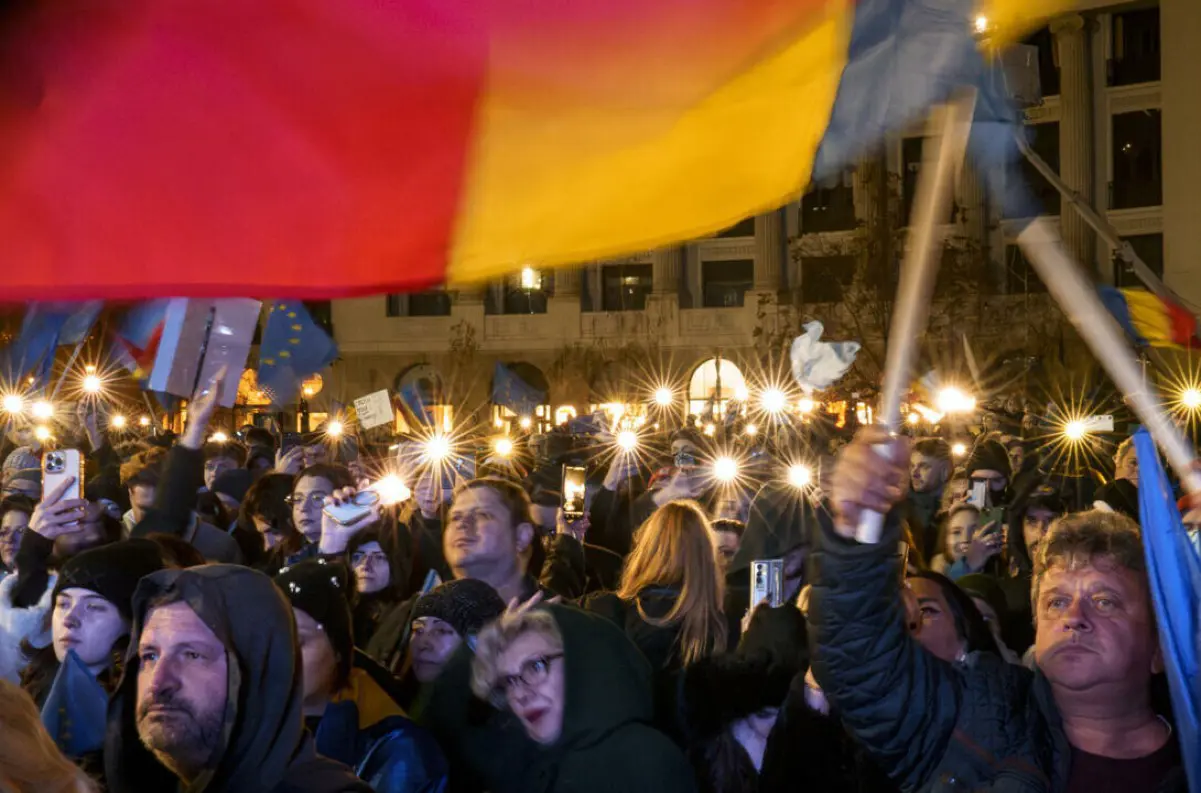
[45, 327]
[75, 709]
[1174, 573]
[510, 391]
[293, 347]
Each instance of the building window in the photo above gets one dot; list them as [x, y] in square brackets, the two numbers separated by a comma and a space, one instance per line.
[394, 306]
[823, 278]
[830, 208]
[1149, 248]
[1020, 277]
[625, 286]
[743, 228]
[527, 291]
[1135, 47]
[725, 284]
[911, 165]
[1048, 60]
[434, 303]
[1137, 160]
[1044, 140]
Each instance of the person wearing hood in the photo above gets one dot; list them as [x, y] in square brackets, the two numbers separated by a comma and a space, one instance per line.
[989, 462]
[572, 697]
[347, 704]
[1030, 519]
[212, 694]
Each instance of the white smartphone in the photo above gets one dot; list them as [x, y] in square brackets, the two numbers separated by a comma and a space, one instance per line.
[354, 510]
[979, 495]
[767, 582]
[59, 465]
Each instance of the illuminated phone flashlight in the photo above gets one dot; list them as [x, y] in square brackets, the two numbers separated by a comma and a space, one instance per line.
[1075, 430]
[725, 469]
[773, 400]
[117, 422]
[437, 448]
[42, 433]
[392, 490]
[525, 422]
[627, 440]
[710, 429]
[914, 418]
[503, 447]
[751, 429]
[799, 476]
[144, 421]
[664, 397]
[805, 405]
[219, 437]
[1191, 398]
[13, 403]
[958, 449]
[334, 429]
[953, 400]
[92, 384]
[42, 409]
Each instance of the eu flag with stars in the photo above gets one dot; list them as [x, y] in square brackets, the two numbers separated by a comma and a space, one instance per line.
[509, 390]
[45, 327]
[293, 347]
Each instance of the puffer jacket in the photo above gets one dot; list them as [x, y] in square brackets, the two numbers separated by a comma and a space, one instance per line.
[18, 624]
[932, 726]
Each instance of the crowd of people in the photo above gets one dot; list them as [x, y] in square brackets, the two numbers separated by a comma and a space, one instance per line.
[237, 616]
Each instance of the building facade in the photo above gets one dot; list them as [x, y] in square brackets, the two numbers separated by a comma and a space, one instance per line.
[1118, 120]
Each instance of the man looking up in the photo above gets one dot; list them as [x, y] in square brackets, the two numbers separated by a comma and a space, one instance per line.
[212, 690]
[1082, 721]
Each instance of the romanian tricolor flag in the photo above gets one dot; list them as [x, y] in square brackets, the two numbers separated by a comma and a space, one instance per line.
[317, 148]
[1150, 320]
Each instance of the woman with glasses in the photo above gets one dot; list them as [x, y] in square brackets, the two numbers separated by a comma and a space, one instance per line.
[15, 512]
[266, 512]
[581, 692]
[379, 577]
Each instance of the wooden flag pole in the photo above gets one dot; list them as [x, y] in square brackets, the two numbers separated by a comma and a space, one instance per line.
[1077, 296]
[942, 158]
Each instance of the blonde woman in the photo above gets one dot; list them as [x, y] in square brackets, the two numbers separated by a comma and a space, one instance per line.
[29, 760]
[670, 599]
[582, 693]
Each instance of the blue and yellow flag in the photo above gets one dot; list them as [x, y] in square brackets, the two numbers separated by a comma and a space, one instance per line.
[293, 347]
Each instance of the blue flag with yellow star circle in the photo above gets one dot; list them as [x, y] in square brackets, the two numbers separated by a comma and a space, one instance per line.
[293, 347]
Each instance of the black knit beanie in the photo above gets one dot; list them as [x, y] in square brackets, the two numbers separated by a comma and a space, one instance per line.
[321, 589]
[721, 689]
[990, 456]
[467, 605]
[111, 571]
[234, 483]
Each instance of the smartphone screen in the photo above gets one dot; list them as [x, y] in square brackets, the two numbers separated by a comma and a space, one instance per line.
[979, 495]
[573, 491]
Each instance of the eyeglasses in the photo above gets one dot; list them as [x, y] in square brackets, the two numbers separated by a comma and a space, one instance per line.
[312, 499]
[533, 672]
[373, 558]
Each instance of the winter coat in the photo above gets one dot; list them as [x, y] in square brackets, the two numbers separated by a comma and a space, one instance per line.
[20, 624]
[930, 725]
[266, 746]
[365, 729]
[606, 745]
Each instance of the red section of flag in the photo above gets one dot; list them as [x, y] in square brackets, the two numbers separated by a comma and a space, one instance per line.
[152, 148]
[1184, 324]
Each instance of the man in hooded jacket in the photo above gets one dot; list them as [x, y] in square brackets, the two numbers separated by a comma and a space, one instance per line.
[211, 698]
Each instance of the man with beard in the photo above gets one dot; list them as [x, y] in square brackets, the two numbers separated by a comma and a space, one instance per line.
[211, 698]
[929, 470]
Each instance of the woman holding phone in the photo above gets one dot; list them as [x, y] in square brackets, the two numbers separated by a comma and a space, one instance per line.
[967, 545]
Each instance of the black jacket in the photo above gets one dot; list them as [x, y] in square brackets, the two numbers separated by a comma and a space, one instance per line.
[930, 725]
[606, 745]
[266, 746]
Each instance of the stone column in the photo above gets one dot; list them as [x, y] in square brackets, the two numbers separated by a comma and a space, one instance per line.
[769, 251]
[1075, 133]
[666, 265]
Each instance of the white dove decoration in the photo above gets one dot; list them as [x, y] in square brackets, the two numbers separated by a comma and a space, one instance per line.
[816, 364]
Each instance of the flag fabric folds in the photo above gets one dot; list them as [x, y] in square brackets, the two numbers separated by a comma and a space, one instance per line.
[510, 391]
[1174, 572]
[136, 339]
[75, 711]
[293, 348]
[44, 328]
[315, 149]
[1150, 321]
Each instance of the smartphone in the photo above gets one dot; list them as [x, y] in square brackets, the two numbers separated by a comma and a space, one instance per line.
[289, 441]
[61, 464]
[767, 582]
[354, 510]
[685, 460]
[978, 497]
[993, 514]
[573, 491]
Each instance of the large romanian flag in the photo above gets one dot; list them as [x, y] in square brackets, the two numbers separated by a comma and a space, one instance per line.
[316, 148]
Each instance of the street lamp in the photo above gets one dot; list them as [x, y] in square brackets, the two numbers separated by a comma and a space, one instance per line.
[13, 403]
[117, 422]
